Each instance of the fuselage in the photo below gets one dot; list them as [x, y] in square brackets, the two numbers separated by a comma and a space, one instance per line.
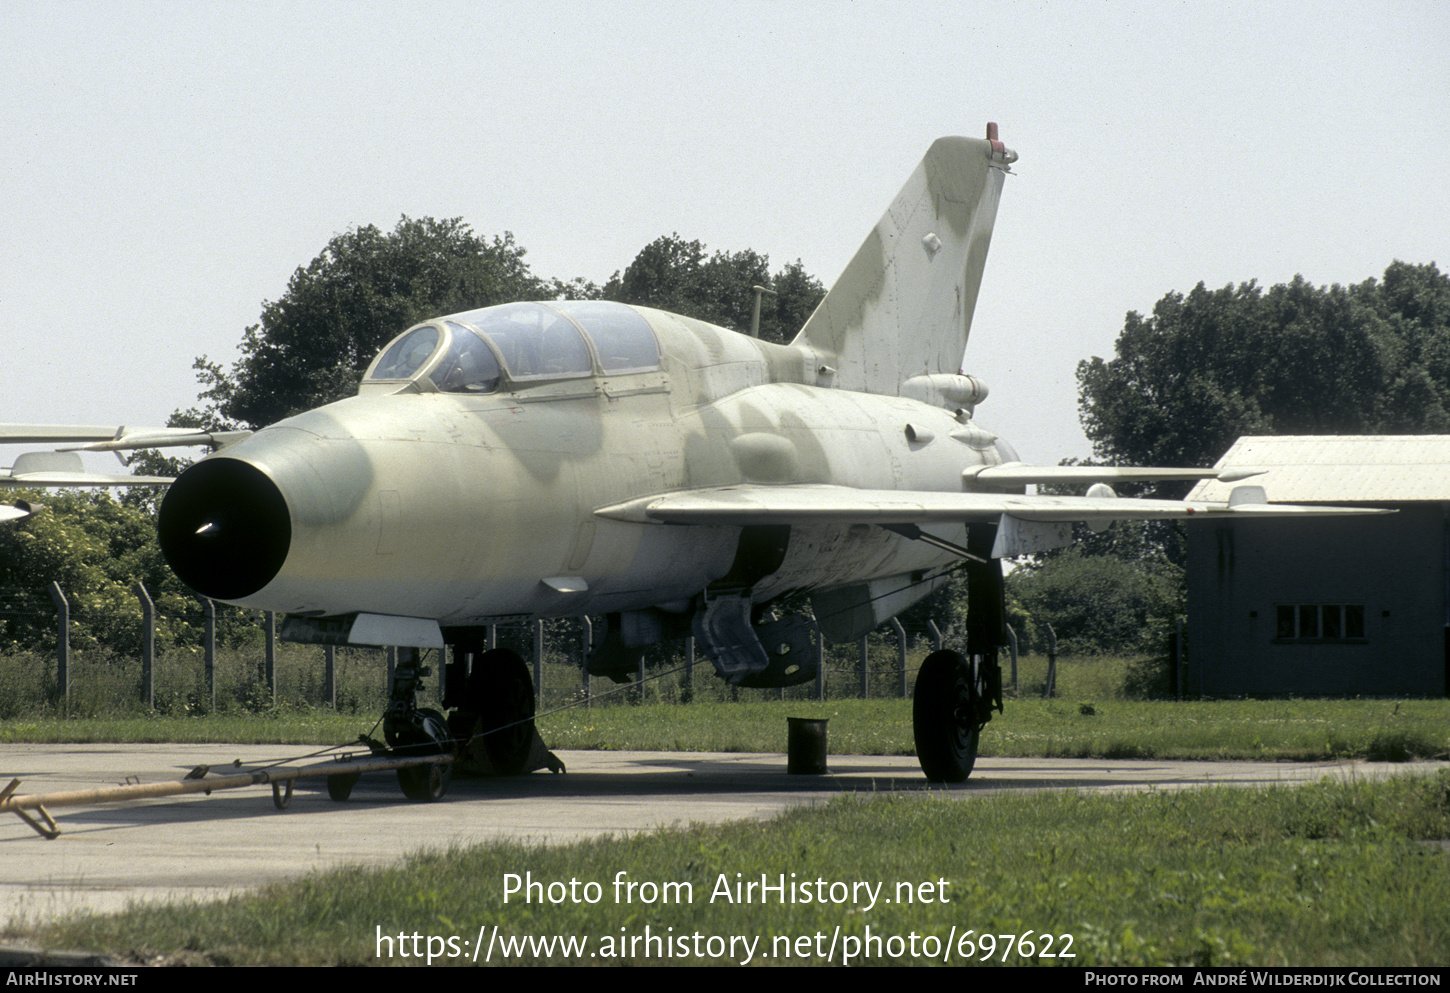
[475, 505]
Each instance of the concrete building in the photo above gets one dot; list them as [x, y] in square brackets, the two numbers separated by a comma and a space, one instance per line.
[1326, 606]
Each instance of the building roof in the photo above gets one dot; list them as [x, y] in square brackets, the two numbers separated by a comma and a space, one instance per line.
[1339, 468]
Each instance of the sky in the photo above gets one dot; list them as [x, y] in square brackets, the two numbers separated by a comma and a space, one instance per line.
[166, 166]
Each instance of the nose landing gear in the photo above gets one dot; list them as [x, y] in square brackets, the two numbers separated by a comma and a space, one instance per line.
[411, 730]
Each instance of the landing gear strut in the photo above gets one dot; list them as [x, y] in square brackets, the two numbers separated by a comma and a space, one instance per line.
[956, 694]
[410, 730]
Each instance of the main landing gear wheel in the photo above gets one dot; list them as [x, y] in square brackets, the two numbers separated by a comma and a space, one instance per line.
[944, 717]
[427, 735]
[501, 693]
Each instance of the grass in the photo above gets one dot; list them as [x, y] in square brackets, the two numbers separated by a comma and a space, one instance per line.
[1233, 729]
[1098, 713]
[1328, 874]
[1284, 730]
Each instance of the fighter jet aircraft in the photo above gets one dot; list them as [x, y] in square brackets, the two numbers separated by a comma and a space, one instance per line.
[566, 458]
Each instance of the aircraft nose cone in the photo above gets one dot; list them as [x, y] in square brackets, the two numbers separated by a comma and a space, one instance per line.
[224, 528]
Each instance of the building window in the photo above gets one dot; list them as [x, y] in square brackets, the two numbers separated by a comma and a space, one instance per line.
[1319, 622]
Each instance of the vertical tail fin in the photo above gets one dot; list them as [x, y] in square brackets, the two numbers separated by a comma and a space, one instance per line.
[903, 307]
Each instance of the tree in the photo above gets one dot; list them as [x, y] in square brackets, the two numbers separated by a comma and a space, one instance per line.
[797, 294]
[1095, 603]
[1213, 365]
[152, 462]
[95, 548]
[1298, 359]
[678, 276]
[313, 344]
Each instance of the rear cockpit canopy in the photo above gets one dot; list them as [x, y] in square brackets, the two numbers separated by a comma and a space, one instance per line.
[476, 351]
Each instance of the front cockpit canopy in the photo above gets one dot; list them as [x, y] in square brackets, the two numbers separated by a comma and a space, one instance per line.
[475, 351]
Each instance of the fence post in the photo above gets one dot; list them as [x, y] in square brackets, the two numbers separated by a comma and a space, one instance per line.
[62, 644]
[329, 675]
[820, 665]
[900, 656]
[1051, 687]
[539, 664]
[271, 660]
[1012, 644]
[936, 638]
[1178, 654]
[587, 639]
[865, 680]
[148, 645]
[208, 638]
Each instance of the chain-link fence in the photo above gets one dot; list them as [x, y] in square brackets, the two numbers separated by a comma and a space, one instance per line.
[215, 658]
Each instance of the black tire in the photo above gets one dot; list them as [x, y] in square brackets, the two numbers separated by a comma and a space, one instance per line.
[425, 783]
[943, 717]
[339, 787]
[501, 693]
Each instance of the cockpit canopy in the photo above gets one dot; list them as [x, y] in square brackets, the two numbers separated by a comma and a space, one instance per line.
[473, 352]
